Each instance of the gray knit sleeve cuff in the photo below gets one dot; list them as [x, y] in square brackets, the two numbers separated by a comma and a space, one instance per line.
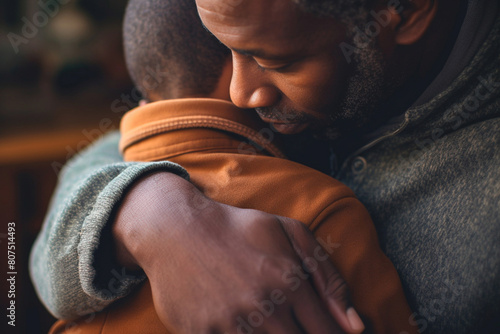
[100, 275]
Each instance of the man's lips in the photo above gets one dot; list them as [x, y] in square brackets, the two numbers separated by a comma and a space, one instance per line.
[288, 128]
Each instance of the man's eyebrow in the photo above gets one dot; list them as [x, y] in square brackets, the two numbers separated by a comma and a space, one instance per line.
[258, 53]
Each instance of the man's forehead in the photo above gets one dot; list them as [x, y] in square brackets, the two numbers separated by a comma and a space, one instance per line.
[252, 9]
[276, 20]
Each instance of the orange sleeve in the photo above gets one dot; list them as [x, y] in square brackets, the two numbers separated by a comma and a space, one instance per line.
[348, 231]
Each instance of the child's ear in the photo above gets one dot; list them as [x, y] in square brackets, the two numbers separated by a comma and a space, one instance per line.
[143, 102]
[414, 20]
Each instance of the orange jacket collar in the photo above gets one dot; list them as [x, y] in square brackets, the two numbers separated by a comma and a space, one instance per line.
[158, 126]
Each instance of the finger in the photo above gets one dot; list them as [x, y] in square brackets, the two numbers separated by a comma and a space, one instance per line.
[285, 324]
[329, 284]
[311, 314]
[280, 322]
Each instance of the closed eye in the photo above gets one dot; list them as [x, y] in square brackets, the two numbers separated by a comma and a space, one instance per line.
[279, 68]
[265, 62]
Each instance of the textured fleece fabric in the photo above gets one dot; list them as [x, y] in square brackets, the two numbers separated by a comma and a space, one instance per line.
[431, 185]
[65, 255]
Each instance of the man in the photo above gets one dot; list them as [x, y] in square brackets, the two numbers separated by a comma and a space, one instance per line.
[402, 66]
[414, 116]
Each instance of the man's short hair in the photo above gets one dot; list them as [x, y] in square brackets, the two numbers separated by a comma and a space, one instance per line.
[169, 53]
[345, 10]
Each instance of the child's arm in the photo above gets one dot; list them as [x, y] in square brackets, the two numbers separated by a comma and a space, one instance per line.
[62, 263]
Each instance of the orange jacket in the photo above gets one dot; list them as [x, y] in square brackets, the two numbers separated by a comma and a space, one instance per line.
[229, 157]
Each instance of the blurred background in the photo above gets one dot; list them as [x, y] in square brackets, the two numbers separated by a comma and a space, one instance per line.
[63, 84]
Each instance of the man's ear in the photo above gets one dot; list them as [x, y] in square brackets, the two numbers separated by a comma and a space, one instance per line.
[415, 20]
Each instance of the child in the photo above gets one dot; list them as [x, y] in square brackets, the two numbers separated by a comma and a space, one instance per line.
[182, 67]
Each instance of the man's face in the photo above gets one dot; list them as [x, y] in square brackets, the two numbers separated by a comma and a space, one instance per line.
[288, 66]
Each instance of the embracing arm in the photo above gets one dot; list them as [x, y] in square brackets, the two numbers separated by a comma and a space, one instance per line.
[71, 266]
[165, 227]
[212, 266]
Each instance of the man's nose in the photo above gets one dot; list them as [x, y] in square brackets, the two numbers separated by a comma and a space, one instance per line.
[250, 86]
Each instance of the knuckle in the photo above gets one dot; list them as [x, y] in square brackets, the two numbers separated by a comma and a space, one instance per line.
[225, 321]
[210, 330]
[336, 287]
[274, 267]
[255, 296]
[275, 270]
[255, 221]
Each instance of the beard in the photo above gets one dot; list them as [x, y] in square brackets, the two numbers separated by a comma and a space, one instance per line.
[369, 84]
[366, 88]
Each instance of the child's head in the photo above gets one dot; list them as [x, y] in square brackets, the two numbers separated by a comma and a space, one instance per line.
[169, 53]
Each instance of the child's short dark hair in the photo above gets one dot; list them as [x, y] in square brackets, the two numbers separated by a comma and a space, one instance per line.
[168, 51]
